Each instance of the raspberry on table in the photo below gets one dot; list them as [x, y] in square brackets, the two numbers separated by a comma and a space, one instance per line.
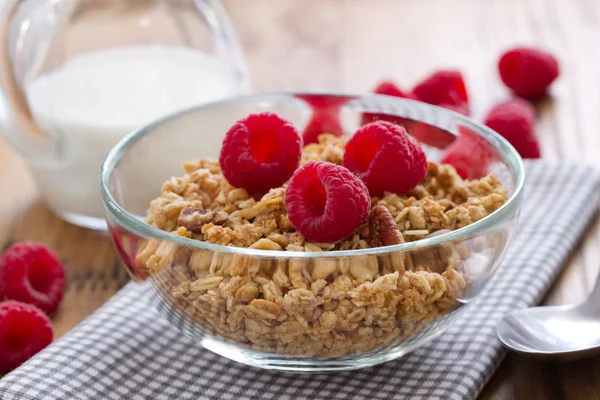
[515, 121]
[33, 274]
[326, 202]
[444, 88]
[469, 154]
[260, 152]
[325, 116]
[386, 158]
[432, 135]
[325, 121]
[528, 71]
[24, 331]
[461, 108]
[388, 88]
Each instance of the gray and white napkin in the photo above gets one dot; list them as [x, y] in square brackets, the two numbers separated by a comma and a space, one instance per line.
[127, 350]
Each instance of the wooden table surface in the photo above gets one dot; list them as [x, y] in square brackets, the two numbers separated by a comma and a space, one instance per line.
[350, 45]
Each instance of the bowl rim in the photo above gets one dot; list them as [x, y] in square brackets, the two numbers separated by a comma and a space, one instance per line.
[142, 229]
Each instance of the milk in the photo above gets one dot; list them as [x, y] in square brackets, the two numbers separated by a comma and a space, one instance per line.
[96, 98]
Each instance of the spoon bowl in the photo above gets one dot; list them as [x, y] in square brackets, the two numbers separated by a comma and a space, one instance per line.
[569, 332]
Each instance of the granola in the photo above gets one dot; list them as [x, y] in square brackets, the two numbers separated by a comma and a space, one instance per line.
[312, 307]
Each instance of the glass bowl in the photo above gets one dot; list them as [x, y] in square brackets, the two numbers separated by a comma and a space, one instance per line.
[300, 310]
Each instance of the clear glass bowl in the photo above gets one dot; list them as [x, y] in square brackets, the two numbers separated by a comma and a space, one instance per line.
[268, 311]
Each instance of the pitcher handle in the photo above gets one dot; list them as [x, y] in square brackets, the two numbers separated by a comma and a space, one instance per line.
[18, 126]
[226, 39]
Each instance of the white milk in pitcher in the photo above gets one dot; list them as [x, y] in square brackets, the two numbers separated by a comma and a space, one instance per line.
[96, 98]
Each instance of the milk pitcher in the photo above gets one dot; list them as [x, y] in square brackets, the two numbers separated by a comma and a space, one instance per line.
[76, 76]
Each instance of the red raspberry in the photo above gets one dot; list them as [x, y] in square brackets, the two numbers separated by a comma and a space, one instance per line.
[527, 71]
[33, 274]
[388, 88]
[470, 154]
[462, 108]
[325, 116]
[260, 152]
[386, 158]
[24, 331]
[126, 245]
[326, 202]
[515, 121]
[444, 88]
[432, 135]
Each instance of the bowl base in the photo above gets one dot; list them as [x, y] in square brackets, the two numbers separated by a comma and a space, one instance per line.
[297, 364]
[84, 221]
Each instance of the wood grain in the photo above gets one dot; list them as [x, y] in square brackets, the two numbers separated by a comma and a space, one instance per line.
[350, 45]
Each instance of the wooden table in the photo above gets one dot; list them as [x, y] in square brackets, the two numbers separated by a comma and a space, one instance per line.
[350, 45]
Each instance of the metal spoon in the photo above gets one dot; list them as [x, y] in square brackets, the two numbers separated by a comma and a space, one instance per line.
[569, 332]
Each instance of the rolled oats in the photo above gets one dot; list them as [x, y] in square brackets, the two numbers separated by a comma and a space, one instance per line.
[321, 306]
[204, 284]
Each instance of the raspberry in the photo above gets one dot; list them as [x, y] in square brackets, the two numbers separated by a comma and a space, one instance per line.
[326, 202]
[24, 331]
[470, 155]
[388, 88]
[325, 121]
[443, 88]
[462, 108]
[126, 245]
[515, 121]
[386, 158]
[527, 71]
[432, 135]
[31, 273]
[325, 116]
[260, 152]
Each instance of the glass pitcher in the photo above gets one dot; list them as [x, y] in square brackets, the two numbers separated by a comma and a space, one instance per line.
[78, 75]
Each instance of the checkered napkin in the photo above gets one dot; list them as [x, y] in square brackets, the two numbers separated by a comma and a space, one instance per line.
[127, 350]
